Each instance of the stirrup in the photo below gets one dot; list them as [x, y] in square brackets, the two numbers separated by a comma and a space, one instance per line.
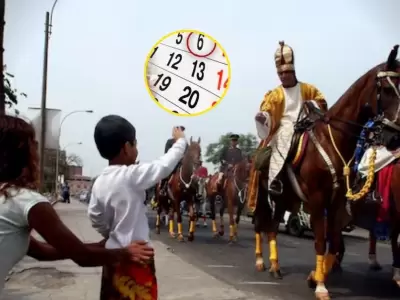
[277, 191]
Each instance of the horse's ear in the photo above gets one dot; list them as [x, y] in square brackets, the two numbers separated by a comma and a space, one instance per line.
[391, 61]
[191, 139]
[199, 140]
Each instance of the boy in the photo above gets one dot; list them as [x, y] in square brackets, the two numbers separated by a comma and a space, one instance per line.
[117, 208]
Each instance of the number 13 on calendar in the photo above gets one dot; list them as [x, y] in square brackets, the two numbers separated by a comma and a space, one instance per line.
[187, 73]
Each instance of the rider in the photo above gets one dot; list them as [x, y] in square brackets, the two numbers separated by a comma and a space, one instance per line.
[168, 145]
[229, 157]
[277, 114]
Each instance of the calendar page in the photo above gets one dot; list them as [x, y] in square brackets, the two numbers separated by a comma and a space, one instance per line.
[187, 73]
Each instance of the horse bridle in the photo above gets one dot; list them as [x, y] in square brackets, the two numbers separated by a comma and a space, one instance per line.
[388, 75]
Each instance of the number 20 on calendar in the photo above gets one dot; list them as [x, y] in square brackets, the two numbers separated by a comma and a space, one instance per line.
[187, 73]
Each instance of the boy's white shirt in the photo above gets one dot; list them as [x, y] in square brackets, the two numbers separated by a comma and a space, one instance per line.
[116, 208]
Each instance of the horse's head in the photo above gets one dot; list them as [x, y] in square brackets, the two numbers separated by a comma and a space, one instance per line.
[194, 151]
[388, 88]
[374, 93]
[242, 170]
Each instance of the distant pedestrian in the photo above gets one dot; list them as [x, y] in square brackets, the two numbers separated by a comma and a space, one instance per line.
[117, 210]
[65, 192]
[22, 209]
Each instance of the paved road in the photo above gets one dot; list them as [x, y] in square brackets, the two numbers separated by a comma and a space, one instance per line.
[234, 264]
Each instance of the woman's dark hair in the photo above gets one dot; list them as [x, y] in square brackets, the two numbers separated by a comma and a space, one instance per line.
[111, 134]
[18, 154]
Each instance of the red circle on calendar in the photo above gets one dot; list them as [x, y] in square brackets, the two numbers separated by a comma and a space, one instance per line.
[195, 54]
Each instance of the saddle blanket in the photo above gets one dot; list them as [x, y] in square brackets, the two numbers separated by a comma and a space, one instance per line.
[384, 157]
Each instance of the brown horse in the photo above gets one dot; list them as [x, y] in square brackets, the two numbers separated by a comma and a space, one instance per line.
[232, 192]
[183, 186]
[318, 178]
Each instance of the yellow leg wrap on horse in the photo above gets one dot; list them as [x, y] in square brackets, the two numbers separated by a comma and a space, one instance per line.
[319, 269]
[214, 226]
[180, 228]
[258, 244]
[329, 261]
[191, 227]
[158, 221]
[232, 230]
[273, 250]
[171, 226]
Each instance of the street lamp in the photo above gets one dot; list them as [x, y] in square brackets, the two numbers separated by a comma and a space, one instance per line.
[48, 25]
[58, 142]
[71, 144]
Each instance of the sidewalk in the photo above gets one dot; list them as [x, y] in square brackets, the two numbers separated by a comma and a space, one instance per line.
[62, 280]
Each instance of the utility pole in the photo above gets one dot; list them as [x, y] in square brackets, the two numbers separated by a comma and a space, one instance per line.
[43, 115]
[3, 23]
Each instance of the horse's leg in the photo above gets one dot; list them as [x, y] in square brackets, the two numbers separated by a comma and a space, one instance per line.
[396, 253]
[221, 231]
[159, 210]
[317, 277]
[372, 259]
[212, 209]
[177, 205]
[230, 198]
[192, 219]
[260, 220]
[272, 232]
[171, 224]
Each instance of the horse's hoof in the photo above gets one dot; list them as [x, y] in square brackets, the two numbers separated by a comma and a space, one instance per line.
[191, 237]
[158, 230]
[260, 267]
[375, 267]
[232, 239]
[276, 274]
[322, 296]
[221, 233]
[312, 284]
[215, 235]
[181, 238]
[172, 235]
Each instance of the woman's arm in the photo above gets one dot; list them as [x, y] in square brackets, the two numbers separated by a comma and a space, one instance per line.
[43, 218]
[45, 252]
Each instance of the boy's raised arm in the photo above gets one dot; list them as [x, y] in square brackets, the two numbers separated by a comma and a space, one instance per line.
[147, 175]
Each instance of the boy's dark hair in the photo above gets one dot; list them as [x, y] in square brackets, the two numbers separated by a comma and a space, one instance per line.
[111, 133]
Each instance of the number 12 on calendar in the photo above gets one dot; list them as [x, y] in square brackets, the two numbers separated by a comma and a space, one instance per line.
[187, 73]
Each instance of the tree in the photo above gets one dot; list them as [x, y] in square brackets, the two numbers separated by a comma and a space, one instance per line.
[247, 142]
[11, 95]
[73, 160]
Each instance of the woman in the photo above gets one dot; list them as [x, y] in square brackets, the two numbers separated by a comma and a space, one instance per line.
[23, 209]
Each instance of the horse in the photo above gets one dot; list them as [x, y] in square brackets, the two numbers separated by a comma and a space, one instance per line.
[317, 179]
[233, 193]
[183, 186]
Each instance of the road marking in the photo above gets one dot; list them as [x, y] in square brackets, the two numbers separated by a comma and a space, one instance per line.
[259, 282]
[221, 266]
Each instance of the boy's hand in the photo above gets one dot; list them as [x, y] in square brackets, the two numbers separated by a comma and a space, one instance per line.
[178, 133]
[140, 251]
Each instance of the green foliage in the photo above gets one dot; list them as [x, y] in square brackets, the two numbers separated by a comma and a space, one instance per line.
[247, 143]
[11, 94]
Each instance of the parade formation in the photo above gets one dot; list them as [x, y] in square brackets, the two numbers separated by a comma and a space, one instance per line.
[338, 164]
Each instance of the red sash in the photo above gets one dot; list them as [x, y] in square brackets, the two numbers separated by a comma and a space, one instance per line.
[129, 281]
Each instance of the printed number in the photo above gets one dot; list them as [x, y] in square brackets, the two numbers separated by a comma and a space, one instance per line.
[179, 38]
[164, 83]
[156, 99]
[178, 58]
[220, 76]
[154, 52]
[200, 72]
[200, 42]
[194, 97]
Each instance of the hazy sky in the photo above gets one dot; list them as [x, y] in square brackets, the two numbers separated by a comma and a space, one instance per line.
[97, 54]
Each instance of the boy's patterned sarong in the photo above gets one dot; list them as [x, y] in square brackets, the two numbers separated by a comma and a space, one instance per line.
[130, 281]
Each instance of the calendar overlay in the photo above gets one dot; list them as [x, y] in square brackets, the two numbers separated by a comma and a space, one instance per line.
[187, 73]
